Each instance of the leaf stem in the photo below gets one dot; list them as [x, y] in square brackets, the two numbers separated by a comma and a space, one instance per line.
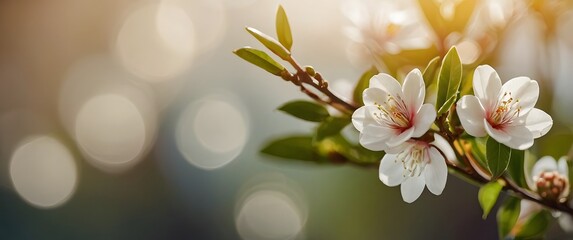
[316, 81]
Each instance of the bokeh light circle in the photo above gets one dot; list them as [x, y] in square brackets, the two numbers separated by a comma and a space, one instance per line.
[110, 129]
[43, 172]
[156, 41]
[269, 214]
[212, 132]
[271, 206]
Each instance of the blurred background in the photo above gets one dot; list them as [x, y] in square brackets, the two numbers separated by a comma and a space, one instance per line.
[132, 119]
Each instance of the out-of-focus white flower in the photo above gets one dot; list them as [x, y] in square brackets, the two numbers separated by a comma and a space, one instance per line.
[414, 164]
[392, 114]
[549, 178]
[506, 113]
[385, 27]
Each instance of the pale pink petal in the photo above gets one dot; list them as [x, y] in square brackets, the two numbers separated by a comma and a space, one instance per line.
[471, 115]
[377, 130]
[424, 119]
[436, 172]
[486, 84]
[500, 136]
[372, 143]
[401, 138]
[391, 171]
[562, 166]
[370, 112]
[520, 137]
[374, 96]
[538, 122]
[412, 188]
[387, 83]
[358, 118]
[400, 148]
[414, 90]
[544, 164]
[442, 144]
[524, 90]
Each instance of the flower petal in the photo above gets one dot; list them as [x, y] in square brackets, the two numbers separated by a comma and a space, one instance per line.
[387, 83]
[412, 188]
[372, 142]
[377, 130]
[538, 122]
[520, 137]
[374, 96]
[487, 84]
[499, 135]
[442, 144]
[414, 90]
[400, 148]
[391, 171]
[544, 164]
[562, 166]
[524, 90]
[358, 118]
[436, 172]
[401, 138]
[471, 115]
[424, 119]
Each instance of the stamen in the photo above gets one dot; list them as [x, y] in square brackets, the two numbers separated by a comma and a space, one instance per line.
[393, 113]
[413, 161]
[506, 110]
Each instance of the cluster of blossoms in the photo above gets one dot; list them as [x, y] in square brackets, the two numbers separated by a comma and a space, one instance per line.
[395, 119]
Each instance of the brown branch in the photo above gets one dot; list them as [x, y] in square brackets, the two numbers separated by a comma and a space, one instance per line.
[315, 80]
[304, 78]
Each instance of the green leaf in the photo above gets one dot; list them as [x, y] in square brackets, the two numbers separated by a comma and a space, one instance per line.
[293, 147]
[535, 226]
[487, 196]
[331, 126]
[507, 216]
[362, 84]
[449, 79]
[516, 168]
[283, 28]
[353, 153]
[498, 157]
[260, 59]
[430, 72]
[305, 110]
[447, 105]
[479, 152]
[271, 43]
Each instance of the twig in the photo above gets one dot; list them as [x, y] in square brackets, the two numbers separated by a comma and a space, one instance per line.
[303, 78]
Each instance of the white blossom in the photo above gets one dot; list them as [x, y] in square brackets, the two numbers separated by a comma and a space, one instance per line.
[414, 165]
[549, 178]
[392, 114]
[506, 113]
[385, 27]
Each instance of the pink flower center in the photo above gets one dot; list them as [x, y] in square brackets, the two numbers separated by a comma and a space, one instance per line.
[504, 112]
[394, 113]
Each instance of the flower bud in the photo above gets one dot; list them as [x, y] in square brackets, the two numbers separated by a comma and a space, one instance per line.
[552, 186]
[310, 70]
